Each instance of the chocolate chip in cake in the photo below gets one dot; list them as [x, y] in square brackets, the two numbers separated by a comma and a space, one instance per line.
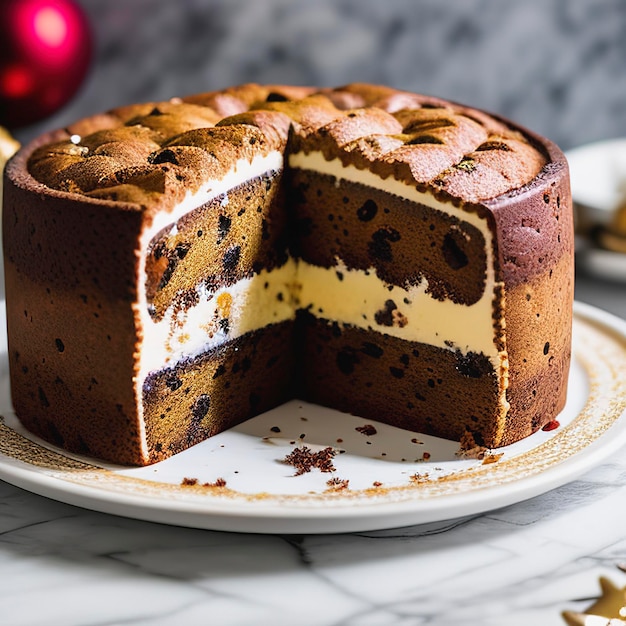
[346, 360]
[372, 349]
[473, 364]
[384, 317]
[380, 247]
[201, 407]
[43, 398]
[173, 383]
[367, 211]
[60, 345]
[223, 227]
[182, 249]
[231, 259]
[452, 251]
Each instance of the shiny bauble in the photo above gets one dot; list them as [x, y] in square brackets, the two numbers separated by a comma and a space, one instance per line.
[45, 52]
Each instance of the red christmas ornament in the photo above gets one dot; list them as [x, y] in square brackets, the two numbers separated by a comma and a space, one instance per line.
[45, 51]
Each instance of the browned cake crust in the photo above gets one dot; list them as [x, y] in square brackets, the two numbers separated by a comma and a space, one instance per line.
[78, 200]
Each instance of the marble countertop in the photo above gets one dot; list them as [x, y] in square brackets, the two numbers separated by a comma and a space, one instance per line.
[519, 565]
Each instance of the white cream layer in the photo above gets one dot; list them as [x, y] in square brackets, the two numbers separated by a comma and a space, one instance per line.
[222, 315]
[351, 297]
[359, 297]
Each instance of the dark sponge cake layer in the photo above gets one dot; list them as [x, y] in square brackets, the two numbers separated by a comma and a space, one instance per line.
[435, 391]
[233, 236]
[223, 387]
[402, 240]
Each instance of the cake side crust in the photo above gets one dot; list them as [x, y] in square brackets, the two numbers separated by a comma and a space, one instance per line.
[71, 328]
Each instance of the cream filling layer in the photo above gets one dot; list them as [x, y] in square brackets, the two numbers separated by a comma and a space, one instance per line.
[221, 315]
[350, 297]
[359, 298]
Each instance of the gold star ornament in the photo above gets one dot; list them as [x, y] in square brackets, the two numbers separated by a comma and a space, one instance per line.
[608, 610]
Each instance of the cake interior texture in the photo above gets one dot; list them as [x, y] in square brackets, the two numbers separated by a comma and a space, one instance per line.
[173, 269]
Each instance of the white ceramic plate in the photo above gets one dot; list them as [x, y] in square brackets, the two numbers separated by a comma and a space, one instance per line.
[238, 480]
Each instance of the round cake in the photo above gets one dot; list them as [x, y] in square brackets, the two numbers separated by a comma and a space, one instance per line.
[175, 268]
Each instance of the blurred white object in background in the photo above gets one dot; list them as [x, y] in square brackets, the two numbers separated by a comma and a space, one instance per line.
[598, 179]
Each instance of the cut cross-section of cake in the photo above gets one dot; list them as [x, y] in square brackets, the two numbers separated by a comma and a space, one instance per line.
[176, 268]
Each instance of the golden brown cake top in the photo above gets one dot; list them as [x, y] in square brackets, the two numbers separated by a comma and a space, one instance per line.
[152, 154]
